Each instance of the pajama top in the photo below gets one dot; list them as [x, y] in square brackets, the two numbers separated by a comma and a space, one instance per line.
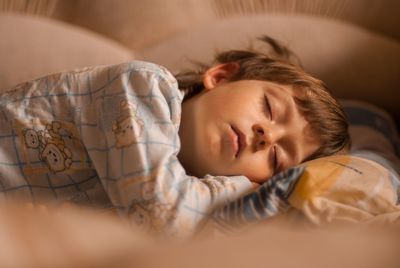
[107, 137]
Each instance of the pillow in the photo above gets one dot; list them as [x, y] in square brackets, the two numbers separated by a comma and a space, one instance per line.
[328, 190]
[270, 199]
[346, 189]
[32, 46]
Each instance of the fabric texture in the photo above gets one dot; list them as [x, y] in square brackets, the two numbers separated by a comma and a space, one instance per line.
[373, 133]
[107, 137]
[333, 190]
[347, 189]
[270, 199]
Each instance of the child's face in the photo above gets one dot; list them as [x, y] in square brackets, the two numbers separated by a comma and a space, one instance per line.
[247, 127]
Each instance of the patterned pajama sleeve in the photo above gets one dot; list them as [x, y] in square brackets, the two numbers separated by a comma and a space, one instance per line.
[106, 136]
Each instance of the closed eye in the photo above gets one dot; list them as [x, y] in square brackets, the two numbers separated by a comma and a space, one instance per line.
[275, 162]
[268, 107]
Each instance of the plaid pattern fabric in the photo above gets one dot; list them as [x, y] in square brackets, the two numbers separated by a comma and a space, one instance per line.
[269, 200]
[106, 136]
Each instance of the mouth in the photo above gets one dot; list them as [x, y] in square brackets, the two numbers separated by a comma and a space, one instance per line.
[241, 141]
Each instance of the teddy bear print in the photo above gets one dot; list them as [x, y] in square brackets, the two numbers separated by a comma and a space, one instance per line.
[50, 145]
[148, 190]
[128, 127]
[140, 217]
[57, 157]
[31, 138]
[51, 134]
[161, 213]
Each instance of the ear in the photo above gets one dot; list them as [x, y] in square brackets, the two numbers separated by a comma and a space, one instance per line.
[219, 73]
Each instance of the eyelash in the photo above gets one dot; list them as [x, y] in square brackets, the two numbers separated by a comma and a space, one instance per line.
[275, 160]
[268, 108]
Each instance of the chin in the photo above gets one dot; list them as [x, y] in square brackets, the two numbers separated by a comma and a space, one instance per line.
[196, 173]
[202, 170]
[258, 180]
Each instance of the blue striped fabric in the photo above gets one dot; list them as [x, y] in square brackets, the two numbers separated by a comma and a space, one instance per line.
[269, 200]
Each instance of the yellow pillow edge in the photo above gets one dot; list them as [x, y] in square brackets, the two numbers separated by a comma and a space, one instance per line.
[322, 173]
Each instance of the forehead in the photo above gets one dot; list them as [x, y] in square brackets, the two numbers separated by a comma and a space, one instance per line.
[252, 86]
[286, 91]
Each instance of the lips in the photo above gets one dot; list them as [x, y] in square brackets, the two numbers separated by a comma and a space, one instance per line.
[241, 140]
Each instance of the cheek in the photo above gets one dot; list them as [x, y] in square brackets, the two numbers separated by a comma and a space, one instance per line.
[257, 169]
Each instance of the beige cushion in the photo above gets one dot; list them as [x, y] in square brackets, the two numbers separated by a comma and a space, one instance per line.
[32, 47]
[136, 23]
[354, 62]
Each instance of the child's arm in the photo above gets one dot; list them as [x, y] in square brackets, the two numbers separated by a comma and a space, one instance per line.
[101, 134]
[130, 131]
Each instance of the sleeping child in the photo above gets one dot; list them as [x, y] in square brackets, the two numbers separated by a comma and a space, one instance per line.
[164, 150]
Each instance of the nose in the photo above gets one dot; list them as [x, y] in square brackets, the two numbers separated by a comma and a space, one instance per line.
[263, 138]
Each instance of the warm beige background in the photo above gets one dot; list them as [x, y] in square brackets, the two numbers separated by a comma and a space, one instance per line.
[363, 62]
[138, 23]
[353, 45]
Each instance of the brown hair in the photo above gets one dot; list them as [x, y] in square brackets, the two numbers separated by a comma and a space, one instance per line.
[320, 108]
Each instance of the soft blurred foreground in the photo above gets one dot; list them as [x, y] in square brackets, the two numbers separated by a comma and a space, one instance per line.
[76, 237]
